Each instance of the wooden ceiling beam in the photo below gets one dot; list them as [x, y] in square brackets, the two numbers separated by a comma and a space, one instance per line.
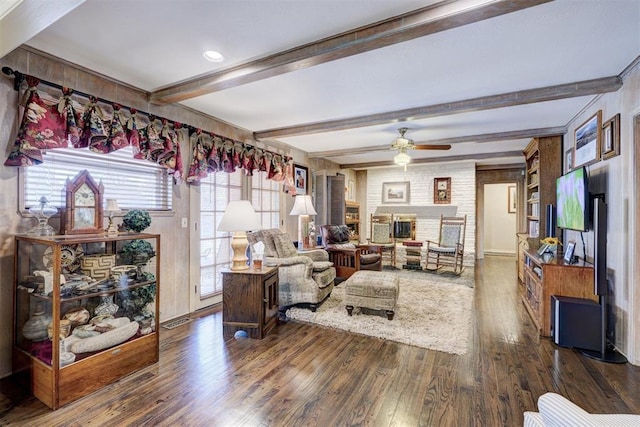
[480, 156]
[411, 25]
[481, 138]
[509, 99]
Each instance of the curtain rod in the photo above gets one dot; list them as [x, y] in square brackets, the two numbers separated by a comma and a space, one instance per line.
[19, 78]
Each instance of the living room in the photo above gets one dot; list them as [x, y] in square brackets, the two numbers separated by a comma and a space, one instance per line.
[615, 177]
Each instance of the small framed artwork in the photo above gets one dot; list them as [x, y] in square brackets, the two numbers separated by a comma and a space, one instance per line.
[568, 253]
[441, 191]
[568, 160]
[588, 136]
[300, 178]
[395, 192]
[512, 199]
[611, 137]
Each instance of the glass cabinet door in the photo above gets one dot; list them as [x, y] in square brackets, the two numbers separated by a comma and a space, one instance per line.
[78, 297]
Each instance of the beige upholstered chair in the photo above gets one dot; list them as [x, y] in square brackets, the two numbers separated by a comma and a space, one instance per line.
[304, 278]
[449, 250]
[346, 256]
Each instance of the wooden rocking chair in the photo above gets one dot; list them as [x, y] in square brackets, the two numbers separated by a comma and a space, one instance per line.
[449, 250]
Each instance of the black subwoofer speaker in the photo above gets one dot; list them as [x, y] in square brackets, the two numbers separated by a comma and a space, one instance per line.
[576, 322]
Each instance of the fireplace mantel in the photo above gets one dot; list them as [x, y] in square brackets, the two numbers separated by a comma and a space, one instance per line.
[429, 212]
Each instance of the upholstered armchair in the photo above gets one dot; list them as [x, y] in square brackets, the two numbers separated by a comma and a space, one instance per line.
[346, 256]
[304, 278]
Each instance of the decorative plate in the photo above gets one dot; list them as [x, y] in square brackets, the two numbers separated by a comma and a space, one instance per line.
[70, 256]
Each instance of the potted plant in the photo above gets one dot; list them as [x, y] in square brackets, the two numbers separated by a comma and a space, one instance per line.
[136, 220]
[137, 252]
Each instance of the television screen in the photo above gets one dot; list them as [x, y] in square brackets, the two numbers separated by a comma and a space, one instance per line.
[572, 200]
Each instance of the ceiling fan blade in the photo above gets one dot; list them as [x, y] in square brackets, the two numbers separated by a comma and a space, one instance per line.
[431, 147]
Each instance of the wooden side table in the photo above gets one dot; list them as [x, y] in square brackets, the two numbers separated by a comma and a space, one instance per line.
[249, 301]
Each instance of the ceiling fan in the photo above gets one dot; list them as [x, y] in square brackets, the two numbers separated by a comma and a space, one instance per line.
[403, 144]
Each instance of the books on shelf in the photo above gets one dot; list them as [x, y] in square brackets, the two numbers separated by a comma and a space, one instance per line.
[534, 228]
[535, 210]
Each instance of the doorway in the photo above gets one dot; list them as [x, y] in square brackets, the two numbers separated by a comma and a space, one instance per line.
[500, 214]
[489, 174]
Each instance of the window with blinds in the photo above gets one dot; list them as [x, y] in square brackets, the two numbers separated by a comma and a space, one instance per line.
[265, 198]
[136, 184]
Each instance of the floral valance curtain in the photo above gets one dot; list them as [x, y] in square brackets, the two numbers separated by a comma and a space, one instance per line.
[61, 125]
[213, 153]
[66, 124]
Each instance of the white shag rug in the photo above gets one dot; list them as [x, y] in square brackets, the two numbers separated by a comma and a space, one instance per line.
[433, 311]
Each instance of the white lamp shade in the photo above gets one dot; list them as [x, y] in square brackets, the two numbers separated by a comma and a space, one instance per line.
[239, 216]
[303, 206]
[112, 205]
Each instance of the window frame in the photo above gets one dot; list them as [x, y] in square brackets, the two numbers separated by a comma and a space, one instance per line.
[23, 208]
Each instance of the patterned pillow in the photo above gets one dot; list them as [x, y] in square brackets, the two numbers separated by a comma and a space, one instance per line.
[450, 235]
[336, 234]
[284, 246]
[381, 233]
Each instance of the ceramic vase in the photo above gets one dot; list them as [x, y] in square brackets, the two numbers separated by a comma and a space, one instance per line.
[35, 329]
[106, 306]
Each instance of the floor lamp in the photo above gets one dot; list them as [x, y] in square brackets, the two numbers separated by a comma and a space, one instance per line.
[303, 207]
[238, 218]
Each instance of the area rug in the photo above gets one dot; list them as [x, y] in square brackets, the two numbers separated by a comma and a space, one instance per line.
[433, 311]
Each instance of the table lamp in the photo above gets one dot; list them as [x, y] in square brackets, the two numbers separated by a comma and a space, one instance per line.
[112, 209]
[303, 207]
[238, 218]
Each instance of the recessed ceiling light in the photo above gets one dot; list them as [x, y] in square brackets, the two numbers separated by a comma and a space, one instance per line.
[213, 56]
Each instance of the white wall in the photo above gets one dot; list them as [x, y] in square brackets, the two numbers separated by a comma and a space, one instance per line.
[499, 224]
[420, 177]
[615, 177]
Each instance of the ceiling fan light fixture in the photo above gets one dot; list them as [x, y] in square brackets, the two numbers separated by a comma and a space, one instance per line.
[402, 159]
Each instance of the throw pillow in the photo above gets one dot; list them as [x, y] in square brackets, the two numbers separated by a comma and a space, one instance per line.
[284, 246]
[336, 234]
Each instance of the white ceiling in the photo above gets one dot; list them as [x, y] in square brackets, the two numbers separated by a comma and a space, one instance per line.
[152, 44]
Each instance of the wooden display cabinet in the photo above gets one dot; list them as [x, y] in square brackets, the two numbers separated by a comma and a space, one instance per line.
[250, 301]
[62, 283]
[543, 158]
[542, 280]
[352, 219]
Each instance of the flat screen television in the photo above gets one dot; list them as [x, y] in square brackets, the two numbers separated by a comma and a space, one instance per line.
[572, 200]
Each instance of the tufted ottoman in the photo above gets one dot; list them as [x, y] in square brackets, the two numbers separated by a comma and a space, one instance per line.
[377, 290]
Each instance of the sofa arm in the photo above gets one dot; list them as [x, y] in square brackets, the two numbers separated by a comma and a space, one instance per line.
[533, 419]
[316, 254]
[305, 263]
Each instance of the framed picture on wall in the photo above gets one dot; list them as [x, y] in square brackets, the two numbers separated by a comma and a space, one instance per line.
[568, 160]
[442, 191]
[300, 178]
[586, 145]
[395, 192]
[512, 199]
[611, 137]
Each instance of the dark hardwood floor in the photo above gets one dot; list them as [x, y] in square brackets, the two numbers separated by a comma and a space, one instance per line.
[303, 375]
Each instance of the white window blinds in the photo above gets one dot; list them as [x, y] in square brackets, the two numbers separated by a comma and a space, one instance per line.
[134, 183]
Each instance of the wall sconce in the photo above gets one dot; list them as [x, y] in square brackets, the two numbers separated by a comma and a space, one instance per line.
[238, 218]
